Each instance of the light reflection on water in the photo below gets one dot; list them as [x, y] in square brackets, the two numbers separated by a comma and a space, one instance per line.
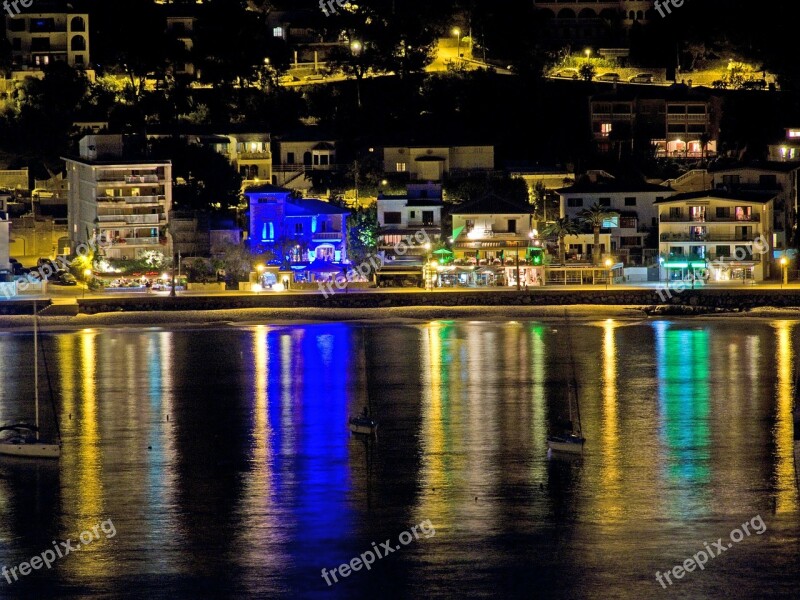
[223, 458]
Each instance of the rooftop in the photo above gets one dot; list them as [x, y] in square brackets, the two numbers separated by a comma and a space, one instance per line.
[492, 204]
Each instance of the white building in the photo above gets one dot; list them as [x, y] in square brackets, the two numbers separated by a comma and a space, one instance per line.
[122, 200]
[777, 178]
[402, 215]
[634, 203]
[724, 232]
[38, 39]
[432, 163]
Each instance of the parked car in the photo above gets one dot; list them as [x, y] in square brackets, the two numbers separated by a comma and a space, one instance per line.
[63, 278]
[567, 74]
[315, 77]
[287, 79]
[612, 77]
[642, 78]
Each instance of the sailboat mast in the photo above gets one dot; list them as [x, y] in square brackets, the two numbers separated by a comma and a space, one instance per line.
[36, 365]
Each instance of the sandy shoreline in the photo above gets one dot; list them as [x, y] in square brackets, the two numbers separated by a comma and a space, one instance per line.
[270, 316]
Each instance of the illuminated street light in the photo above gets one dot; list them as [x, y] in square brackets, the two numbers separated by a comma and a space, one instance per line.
[356, 46]
[457, 33]
[86, 274]
[784, 264]
[609, 264]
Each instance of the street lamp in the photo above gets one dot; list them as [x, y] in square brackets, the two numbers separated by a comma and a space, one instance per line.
[260, 270]
[784, 263]
[588, 53]
[86, 274]
[609, 264]
[457, 33]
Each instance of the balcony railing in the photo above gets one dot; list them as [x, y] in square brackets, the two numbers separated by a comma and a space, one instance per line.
[710, 219]
[328, 235]
[254, 155]
[685, 237]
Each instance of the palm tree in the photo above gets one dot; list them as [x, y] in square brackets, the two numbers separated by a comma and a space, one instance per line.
[594, 217]
[561, 228]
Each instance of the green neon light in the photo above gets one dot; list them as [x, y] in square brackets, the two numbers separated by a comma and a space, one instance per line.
[677, 265]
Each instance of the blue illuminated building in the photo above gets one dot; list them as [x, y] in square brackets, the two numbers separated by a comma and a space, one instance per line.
[309, 236]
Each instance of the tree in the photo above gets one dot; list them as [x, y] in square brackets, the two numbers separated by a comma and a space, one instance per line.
[561, 228]
[211, 181]
[362, 233]
[594, 217]
[587, 71]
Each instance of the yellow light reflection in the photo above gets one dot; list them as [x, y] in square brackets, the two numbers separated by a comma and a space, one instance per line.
[609, 470]
[785, 483]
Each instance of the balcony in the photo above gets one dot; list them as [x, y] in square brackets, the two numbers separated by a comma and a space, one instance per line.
[254, 155]
[131, 219]
[333, 236]
[134, 241]
[708, 219]
[708, 238]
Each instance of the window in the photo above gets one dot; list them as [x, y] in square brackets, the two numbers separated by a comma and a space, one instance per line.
[392, 218]
[723, 251]
[277, 32]
[40, 44]
[78, 24]
[412, 214]
[730, 180]
[611, 223]
[628, 222]
[605, 202]
[427, 217]
[676, 250]
[512, 226]
[401, 167]
[723, 212]
[743, 213]
[605, 129]
[290, 158]
[469, 225]
[78, 43]
[575, 202]
[631, 201]
[79, 59]
[15, 24]
[628, 242]
[298, 228]
[675, 212]
[768, 181]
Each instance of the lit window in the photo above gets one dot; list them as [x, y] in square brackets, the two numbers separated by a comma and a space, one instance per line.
[605, 129]
[401, 167]
[277, 32]
[793, 133]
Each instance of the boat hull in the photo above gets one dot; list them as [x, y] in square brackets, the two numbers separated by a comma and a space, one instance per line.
[30, 450]
[365, 427]
[571, 445]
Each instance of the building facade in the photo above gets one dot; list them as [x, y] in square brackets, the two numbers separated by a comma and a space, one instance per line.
[592, 22]
[635, 205]
[678, 122]
[38, 39]
[417, 212]
[776, 178]
[493, 242]
[310, 236]
[726, 235]
[433, 163]
[125, 202]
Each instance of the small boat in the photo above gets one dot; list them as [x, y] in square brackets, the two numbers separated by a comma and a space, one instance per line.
[566, 443]
[363, 424]
[571, 439]
[24, 439]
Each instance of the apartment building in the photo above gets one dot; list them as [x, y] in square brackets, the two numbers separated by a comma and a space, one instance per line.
[716, 230]
[124, 201]
[592, 22]
[788, 148]
[403, 215]
[635, 204]
[38, 39]
[433, 163]
[679, 122]
[776, 178]
[181, 27]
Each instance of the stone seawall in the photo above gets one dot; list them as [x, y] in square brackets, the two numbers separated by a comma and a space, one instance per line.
[690, 301]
